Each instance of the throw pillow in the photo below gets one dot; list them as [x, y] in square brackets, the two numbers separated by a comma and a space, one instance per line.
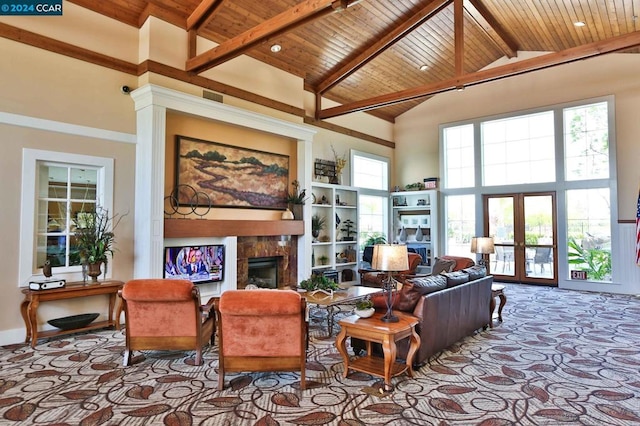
[442, 265]
[408, 297]
[426, 285]
[456, 278]
[476, 272]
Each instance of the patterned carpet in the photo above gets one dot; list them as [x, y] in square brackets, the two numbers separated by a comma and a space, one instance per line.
[559, 358]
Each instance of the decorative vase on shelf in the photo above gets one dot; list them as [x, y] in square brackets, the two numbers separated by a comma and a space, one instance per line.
[419, 234]
[94, 270]
[403, 235]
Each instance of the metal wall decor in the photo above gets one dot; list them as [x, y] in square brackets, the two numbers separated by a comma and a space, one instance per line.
[198, 203]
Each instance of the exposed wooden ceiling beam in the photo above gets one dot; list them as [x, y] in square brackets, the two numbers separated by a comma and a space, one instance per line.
[381, 45]
[458, 30]
[494, 31]
[613, 44]
[298, 15]
[202, 13]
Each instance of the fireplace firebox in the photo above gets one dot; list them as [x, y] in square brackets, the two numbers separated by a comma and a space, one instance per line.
[263, 272]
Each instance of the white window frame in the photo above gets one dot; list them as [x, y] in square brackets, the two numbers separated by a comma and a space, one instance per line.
[28, 241]
[384, 193]
[560, 186]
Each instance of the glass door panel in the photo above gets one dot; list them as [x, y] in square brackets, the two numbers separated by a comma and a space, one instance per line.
[501, 222]
[539, 236]
[523, 229]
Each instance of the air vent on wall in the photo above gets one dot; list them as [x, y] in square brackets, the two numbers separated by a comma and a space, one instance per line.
[212, 96]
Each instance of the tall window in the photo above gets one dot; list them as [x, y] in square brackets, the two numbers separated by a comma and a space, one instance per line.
[519, 153]
[56, 189]
[460, 224]
[371, 176]
[64, 193]
[459, 156]
[586, 142]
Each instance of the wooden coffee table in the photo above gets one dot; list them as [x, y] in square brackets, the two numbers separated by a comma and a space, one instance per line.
[331, 303]
[374, 330]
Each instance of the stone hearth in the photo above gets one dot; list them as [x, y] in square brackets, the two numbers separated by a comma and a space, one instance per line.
[286, 251]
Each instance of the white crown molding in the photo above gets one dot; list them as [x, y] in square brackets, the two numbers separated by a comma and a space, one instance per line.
[151, 94]
[67, 128]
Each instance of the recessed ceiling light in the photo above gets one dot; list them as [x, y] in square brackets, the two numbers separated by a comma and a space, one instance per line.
[276, 48]
[424, 68]
[579, 24]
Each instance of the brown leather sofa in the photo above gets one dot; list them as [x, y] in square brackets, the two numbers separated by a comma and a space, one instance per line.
[449, 306]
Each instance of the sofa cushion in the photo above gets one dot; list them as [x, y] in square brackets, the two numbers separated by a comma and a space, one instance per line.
[456, 278]
[442, 265]
[429, 284]
[476, 272]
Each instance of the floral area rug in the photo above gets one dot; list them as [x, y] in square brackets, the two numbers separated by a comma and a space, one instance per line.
[559, 358]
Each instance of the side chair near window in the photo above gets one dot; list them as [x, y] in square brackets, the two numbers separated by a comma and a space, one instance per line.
[261, 330]
[163, 314]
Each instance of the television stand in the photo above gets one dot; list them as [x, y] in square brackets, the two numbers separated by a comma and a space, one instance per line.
[73, 290]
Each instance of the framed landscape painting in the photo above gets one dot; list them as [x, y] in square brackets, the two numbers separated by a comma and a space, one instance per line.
[231, 176]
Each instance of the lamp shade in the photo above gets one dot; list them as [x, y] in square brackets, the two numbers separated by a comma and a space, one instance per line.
[390, 257]
[482, 245]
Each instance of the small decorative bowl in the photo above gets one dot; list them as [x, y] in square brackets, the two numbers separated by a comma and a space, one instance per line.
[364, 313]
[73, 321]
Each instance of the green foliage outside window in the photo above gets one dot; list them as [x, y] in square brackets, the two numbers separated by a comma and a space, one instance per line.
[595, 261]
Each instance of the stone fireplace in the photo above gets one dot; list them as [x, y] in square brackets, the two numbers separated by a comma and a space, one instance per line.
[282, 250]
[263, 271]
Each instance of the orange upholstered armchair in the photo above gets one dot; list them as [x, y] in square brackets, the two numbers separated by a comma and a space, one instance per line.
[261, 330]
[164, 314]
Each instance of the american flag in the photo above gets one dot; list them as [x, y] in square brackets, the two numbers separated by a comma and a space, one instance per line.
[638, 231]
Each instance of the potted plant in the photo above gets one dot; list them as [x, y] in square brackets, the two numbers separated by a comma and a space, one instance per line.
[296, 199]
[348, 227]
[374, 238]
[323, 259]
[318, 282]
[364, 308]
[317, 224]
[95, 239]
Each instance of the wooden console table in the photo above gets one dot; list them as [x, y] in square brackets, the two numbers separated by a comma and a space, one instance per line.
[387, 333]
[73, 290]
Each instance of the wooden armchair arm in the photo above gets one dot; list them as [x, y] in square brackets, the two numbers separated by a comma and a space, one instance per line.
[208, 307]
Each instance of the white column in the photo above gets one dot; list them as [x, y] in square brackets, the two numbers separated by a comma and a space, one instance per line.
[149, 203]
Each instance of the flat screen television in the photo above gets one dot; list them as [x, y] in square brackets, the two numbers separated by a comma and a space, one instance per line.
[199, 264]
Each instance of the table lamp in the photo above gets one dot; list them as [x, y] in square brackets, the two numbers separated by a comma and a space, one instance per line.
[389, 258]
[483, 246]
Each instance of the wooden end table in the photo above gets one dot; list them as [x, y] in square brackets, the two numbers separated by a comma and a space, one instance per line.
[374, 330]
[497, 290]
[72, 290]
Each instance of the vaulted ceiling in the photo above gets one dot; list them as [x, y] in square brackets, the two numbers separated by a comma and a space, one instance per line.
[386, 57]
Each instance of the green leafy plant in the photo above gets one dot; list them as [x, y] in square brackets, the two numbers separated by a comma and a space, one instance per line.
[596, 262]
[318, 282]
[373, 238]
[94, 235]
[296, 196]
[363, 304]
[317, 222]
[323, 259]
[414, 186]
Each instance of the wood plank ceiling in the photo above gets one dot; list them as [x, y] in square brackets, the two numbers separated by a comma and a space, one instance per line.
[386, 57]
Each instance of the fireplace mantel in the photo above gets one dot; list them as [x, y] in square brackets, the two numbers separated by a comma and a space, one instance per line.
[186, 228]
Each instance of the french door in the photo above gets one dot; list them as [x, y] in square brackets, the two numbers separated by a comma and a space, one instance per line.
[523, 227]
